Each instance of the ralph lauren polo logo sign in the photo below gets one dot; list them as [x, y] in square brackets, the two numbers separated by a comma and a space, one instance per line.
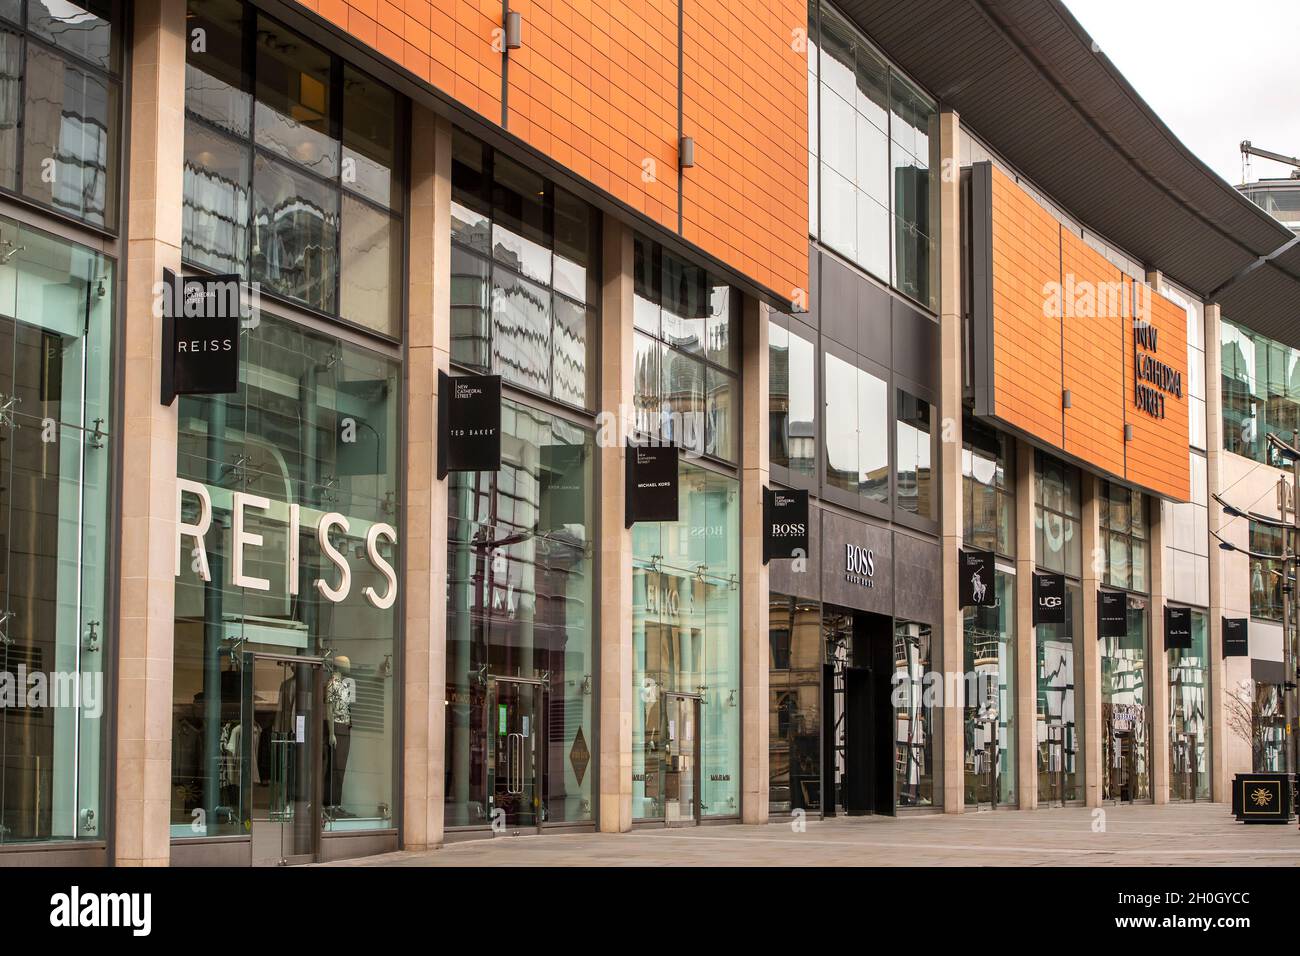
[1049, 599]
[469, 423]
[975, 574]
[651, 483]
[785, 524]
[1178, 628]
[200, 335]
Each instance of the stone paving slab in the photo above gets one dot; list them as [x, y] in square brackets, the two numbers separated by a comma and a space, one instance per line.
[1201, 834]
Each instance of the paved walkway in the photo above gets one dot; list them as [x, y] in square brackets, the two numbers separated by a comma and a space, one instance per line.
[1200, 834]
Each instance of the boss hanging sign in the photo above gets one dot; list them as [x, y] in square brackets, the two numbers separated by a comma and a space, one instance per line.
[651, 489]
[1049, 599]
[785, 524]
[469, 423]
[200, 335]
[1178, 628]
[1236, 642]
[1112, 614]
[975, 574]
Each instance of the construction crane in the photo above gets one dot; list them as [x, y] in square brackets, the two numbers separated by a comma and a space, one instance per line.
[1247, 151]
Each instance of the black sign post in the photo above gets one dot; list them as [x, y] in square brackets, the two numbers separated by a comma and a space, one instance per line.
[651, 488]
[469, 423]
[1112, 614]
[785, 524]
[1236, 637]
[1049, 599]
[200, 335]
[1178, 628]
[975, 575]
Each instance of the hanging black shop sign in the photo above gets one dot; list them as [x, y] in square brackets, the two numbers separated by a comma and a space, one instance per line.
[469, 423]
[1112, 614]
[651, 488]
[975, 575]
[1178, 628]
[200, 335]
[785, 524]
[1236, 638]
[1049, 599]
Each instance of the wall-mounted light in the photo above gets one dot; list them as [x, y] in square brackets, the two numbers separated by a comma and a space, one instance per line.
[1128, 432]
[686, 152]
[1067, 399]
[514, 30]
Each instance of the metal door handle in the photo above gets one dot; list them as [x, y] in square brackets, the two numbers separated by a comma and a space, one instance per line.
[515, 763]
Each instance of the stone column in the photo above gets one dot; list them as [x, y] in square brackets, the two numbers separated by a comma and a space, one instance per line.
[950, 755]
[614, 744]
[754, 662]
[425, 526]
[1026, 661]
[1218, 716]
[1088, 696]
[1158, 662]
[142, 784]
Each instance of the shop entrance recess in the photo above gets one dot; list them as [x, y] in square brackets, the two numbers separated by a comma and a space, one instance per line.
[280, 746]
[680, 758]
[516, 731]
[858, 726]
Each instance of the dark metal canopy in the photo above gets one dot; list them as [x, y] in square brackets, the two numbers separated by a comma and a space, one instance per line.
[1025, 76]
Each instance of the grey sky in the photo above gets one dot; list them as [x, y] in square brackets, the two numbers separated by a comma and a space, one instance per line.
[1216, 71]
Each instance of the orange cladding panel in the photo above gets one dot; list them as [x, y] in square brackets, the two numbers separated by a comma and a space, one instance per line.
[1026, 332]
[1093, 303]
[595, 87]
[1155, 390]
[1063, 319]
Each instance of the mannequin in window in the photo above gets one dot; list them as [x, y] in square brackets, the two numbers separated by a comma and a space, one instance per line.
[338, 734]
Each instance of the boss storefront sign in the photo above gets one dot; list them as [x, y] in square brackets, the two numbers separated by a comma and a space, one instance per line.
[469, 423]
[1178, 628]
[975, 576]
[785, 524]
[200, 334]
[652, 487]
[1049, 599]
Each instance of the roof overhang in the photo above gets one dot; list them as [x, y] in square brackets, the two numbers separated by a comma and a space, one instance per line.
[1025, 76]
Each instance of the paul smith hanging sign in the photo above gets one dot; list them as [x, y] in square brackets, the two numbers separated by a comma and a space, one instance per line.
[1152, 378]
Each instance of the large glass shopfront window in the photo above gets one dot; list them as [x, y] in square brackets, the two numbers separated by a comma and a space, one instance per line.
[990, 692]
[989, 499]
[1261, 392]
[525, 276]
[56, 333]
[792, 416]
[60, 113]
[794, 704]
[1189, 715]
[521, 673]
[914, 714]
[872, 145]
[1124, 706]
[686, 655]
[1058, 548]
[287, 591]
[293, 167]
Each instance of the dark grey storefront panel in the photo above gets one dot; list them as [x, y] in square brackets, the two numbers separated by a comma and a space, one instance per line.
[854, 311]
[915, 347]
[837, 533]
[781, 576]
[1267, 672]
[918, 579]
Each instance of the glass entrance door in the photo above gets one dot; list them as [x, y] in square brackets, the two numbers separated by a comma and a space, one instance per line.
[280, 742]
[515, 753]
[679, 765]
[1123, 771]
